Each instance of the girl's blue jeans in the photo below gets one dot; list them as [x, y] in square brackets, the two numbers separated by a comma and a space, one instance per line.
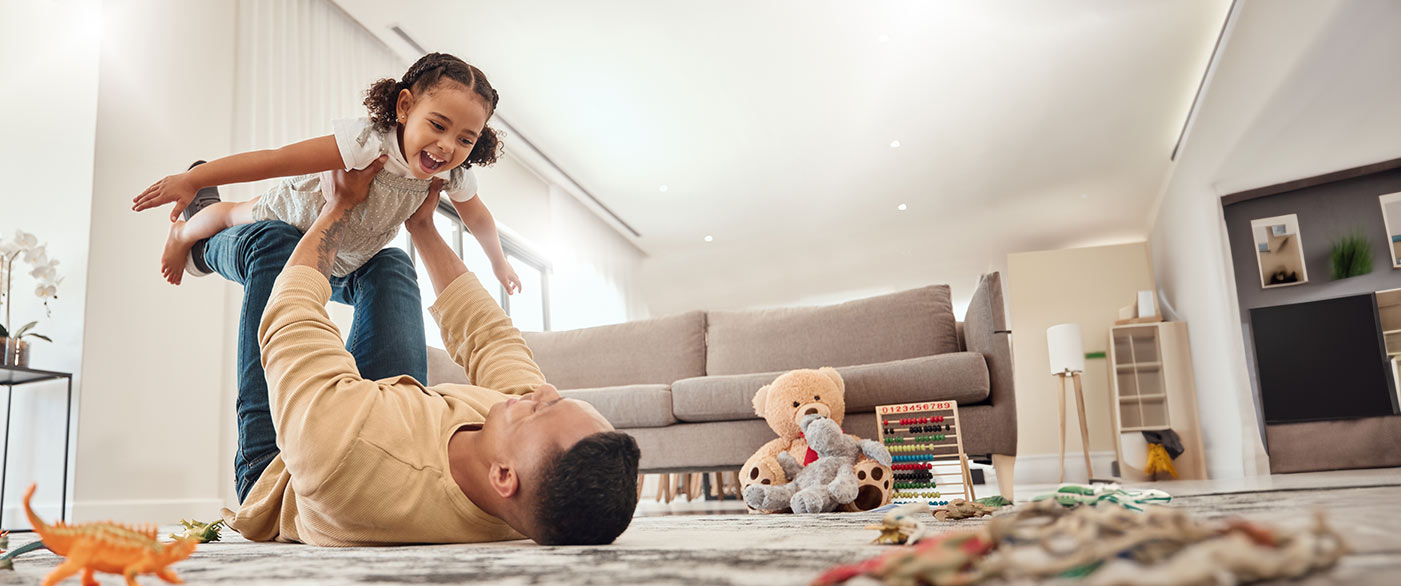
[386, 336]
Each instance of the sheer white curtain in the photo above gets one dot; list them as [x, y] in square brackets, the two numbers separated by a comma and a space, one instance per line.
[595, 269]
[301, 64]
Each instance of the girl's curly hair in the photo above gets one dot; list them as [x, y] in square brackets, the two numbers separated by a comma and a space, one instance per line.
[425, 74]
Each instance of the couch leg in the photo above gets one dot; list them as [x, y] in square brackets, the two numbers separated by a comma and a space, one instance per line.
[694, 487]
[1003, 464]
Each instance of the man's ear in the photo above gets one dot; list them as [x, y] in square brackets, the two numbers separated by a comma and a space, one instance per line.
[504, 480]
[403, 104]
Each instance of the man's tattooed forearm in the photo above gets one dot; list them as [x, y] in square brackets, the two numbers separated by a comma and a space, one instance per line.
[330, 244]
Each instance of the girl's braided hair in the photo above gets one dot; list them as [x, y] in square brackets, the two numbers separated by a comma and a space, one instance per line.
[425, 74]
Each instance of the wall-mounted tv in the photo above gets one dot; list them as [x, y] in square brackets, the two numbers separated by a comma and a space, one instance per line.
[1322, 360]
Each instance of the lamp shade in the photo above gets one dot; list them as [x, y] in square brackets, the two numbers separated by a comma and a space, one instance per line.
[1066, 350]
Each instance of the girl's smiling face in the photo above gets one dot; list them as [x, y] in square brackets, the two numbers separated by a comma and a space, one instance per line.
[438, 129]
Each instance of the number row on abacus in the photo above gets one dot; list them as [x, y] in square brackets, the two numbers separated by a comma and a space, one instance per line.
[917, 420]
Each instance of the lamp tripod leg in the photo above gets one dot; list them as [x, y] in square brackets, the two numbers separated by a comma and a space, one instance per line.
[1084, 426]
[1061, 398]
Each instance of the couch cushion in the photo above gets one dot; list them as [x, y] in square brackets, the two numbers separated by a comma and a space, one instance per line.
[629, 405]
[653, 351]
[957, 376]
[918, 322]
[441, 369]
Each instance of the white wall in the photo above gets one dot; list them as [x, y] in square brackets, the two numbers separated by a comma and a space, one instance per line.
[1084, 286]
[46, 157]
[726, 276]
[149, 446]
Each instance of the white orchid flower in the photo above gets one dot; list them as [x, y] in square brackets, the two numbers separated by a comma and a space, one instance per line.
[8, 248]
[46, 291]
[36, 255]
[25, 240]
[45, 272]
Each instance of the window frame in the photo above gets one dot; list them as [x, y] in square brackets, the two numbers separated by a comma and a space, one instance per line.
[509, 246]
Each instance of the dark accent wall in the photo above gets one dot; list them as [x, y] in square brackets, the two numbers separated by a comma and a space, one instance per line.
[1325, 212]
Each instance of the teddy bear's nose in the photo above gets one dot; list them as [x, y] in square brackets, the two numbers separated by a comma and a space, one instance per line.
[810, 411]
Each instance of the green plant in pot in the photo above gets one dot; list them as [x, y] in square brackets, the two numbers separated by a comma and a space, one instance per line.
[1351, 255]
[14, 349]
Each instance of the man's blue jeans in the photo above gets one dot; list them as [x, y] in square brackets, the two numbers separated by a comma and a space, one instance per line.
[386, 336]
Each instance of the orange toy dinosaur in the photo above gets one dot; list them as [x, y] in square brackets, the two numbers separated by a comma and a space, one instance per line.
[108, 547]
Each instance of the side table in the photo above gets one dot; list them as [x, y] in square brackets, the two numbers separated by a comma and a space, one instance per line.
[11, 377]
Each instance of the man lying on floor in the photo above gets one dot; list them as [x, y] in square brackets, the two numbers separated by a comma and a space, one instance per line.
[367, 462]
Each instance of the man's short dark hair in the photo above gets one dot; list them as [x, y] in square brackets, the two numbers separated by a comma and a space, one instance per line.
[588, 493]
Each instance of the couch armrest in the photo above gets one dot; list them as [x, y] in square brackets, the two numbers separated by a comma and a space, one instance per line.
[985, 332]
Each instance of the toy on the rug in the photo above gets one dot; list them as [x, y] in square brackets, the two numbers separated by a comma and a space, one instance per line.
[900, 525]
[7, 561]
[783, 404]
[1106, 546]
[107, 547]
[1074, 495]
[825, 483]
[961, 509]
[927, 441]
[204, 532]
[947, 558]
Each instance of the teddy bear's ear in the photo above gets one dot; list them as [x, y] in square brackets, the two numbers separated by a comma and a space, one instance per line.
[836, 377]
[760, 399]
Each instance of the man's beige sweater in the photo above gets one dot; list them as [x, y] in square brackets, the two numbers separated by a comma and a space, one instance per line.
[365, 462]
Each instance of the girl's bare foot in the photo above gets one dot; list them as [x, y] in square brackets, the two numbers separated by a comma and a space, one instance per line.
[177, 250]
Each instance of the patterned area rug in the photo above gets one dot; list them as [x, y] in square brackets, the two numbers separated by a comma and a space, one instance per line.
[762, 550]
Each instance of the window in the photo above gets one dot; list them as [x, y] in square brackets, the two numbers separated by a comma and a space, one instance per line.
[529, 309]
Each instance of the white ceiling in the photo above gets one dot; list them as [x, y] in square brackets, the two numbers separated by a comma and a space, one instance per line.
[771, 122]
[1304, 88]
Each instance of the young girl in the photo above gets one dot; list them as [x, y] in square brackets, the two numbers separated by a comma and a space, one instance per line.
[431, 124]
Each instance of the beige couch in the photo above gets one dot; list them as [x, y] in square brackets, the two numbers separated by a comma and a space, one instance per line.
[683, 385]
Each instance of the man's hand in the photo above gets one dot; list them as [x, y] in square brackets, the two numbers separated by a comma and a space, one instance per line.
[347, 189]
[422, 218]
[177, 188]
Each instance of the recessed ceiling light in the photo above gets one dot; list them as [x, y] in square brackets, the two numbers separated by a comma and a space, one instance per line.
[901, 207]
[883, 38]
[1084, 196]
[663, 188]
[894, 144]
[708, 238]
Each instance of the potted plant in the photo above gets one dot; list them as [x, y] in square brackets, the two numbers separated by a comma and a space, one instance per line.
[1351, 255]
[25, 247]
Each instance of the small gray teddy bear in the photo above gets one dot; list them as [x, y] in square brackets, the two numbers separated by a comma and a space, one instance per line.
[828, 482]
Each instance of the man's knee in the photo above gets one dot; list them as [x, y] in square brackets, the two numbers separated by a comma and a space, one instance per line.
[389, 263]
[271, 235]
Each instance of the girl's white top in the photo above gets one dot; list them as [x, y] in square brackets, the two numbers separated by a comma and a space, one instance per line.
[395, 194]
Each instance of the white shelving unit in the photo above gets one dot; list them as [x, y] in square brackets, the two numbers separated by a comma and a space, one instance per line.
[1153, 391]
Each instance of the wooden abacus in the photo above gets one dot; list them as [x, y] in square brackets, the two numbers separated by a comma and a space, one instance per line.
[926, 449]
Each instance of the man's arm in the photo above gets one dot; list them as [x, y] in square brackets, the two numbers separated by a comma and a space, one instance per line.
[315, 393]
[476, 332]
[439, 260]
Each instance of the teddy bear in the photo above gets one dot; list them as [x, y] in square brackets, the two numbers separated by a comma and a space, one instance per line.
[783, 404]
[826, 483]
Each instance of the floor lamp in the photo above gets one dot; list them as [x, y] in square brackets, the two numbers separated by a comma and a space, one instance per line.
[1067, 354]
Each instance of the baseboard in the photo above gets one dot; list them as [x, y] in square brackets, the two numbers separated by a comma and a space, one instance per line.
[160, 512]
[1045, 468]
